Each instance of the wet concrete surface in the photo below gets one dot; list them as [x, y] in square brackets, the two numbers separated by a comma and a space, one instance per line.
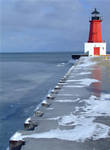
[55, 144]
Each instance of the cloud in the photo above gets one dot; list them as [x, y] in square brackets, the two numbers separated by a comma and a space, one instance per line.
[45, 24]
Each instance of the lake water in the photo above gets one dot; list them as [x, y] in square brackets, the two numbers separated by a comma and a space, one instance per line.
[25, 80]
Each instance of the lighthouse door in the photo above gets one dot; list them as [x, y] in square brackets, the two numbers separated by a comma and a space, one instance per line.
[97, 51]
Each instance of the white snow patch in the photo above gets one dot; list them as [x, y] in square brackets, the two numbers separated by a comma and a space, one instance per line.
[61, 83]
[57, 87]
[84, 82]
[49, 95]
[17, 137]
[65, 94]
[53, 90]
[88, 81]
[50, 108]
[84, 73]
[65, 101]
[27, 120]
[81, 73]
[44, 102]
[86, 62]
[54, 118]
[67, 120]
[73, 86]
[98, 107]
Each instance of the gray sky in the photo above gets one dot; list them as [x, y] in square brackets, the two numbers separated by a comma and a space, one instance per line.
[49, 25]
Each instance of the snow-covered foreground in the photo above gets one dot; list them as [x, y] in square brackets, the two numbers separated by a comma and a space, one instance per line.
[83, 123]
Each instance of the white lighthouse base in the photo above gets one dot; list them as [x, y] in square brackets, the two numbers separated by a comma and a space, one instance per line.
[95, 49]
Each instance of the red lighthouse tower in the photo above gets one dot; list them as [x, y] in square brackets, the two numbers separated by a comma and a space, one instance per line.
[95, 45]
[95, 34]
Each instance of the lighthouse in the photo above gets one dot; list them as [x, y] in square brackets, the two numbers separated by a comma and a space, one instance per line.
[95, 45]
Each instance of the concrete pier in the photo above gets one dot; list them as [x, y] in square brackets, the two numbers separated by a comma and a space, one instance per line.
[77, 56]
[76, 113]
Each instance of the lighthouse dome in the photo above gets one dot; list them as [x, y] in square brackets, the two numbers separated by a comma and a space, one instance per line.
[96, 15]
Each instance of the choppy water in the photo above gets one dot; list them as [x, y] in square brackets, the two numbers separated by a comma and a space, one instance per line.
[25, 79]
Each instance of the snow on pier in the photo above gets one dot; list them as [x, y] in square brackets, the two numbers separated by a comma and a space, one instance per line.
[75, 115]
